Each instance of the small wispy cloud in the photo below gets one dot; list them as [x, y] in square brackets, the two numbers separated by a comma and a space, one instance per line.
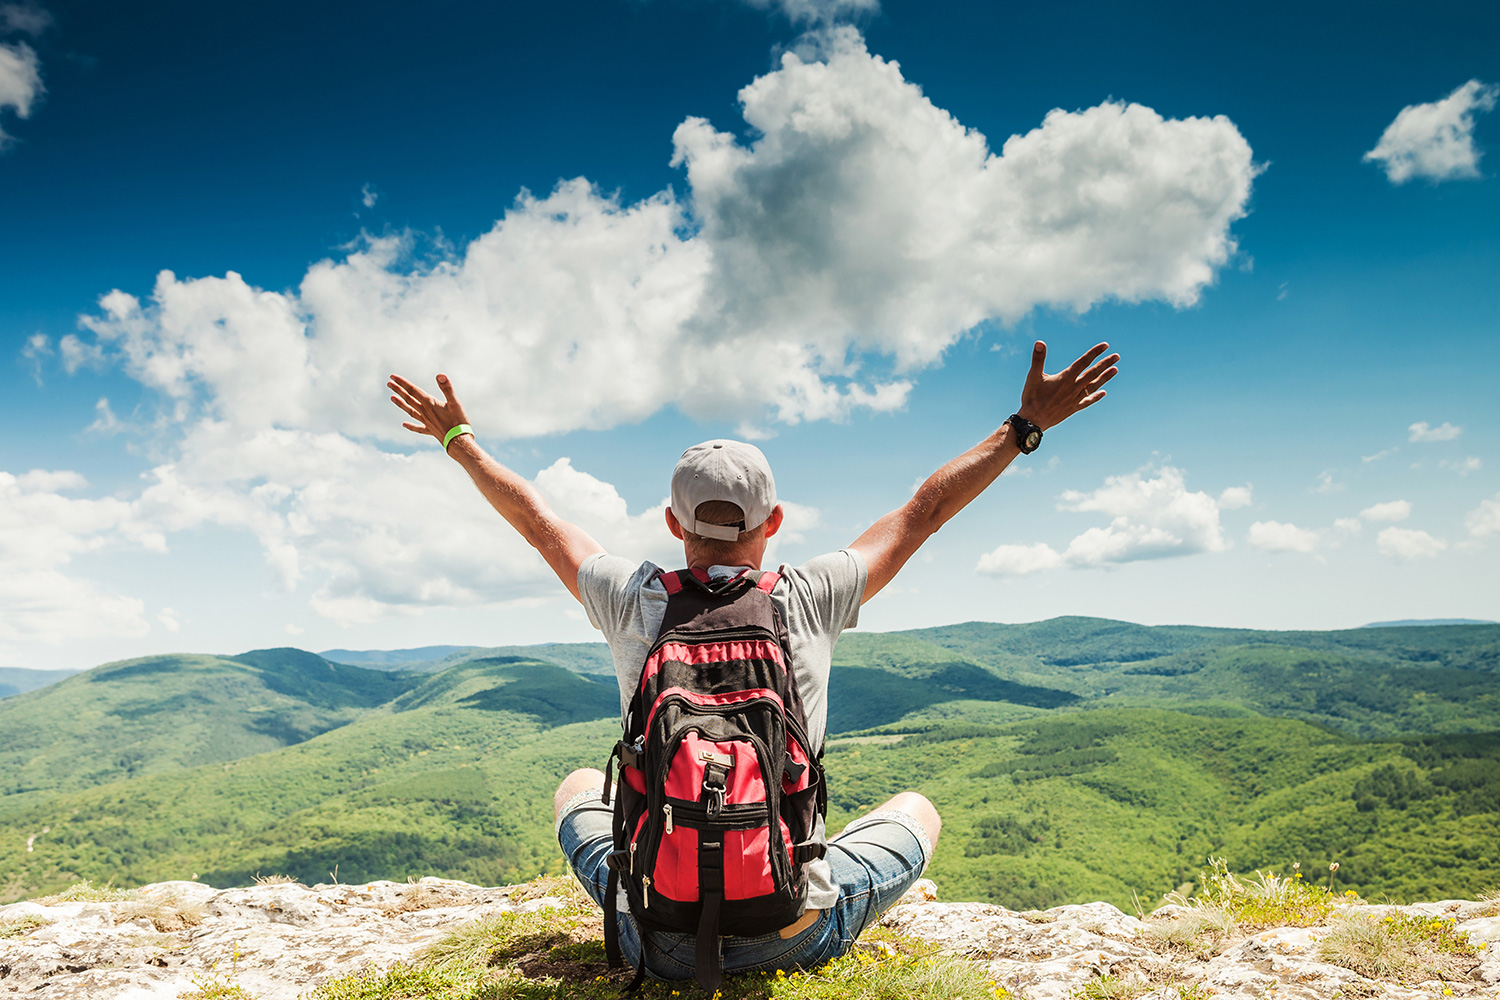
[79, 353]
[1408, 544]
[369, 196]
[23, 19]
[1152, 515]
[105, 421]
[1387, 453]
[1436, 140]
[1462, 466]
[1275, 536]
[818, 12]
[1235, 497]
[38, 346]
[20, 69]
[1424, 433]
[1391, 510]
[1327, 484]
[1484, 520]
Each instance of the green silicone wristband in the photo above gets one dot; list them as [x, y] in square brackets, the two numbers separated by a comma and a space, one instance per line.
[455, 432]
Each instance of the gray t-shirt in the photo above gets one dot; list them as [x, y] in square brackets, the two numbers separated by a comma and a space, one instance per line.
[817, 600]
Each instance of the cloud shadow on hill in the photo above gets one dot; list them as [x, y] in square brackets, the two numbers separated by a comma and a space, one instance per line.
[863, 697]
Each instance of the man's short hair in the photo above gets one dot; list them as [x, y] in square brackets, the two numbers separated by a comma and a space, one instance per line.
[720, 512]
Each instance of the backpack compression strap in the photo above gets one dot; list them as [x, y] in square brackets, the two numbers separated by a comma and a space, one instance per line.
[708, 963]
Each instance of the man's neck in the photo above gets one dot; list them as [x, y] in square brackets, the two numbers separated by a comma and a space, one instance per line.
[746, 560]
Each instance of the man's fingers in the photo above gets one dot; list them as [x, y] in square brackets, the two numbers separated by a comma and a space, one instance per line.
[415, 428]
[1086, 359]
[407, 407]
[1091, 399]
[411, 392]
[1101, 378]
[1099, 366]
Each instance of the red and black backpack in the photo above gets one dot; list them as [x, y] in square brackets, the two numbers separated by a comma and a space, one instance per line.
[717, 807]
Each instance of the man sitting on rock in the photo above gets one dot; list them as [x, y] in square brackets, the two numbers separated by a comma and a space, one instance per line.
[876, 858]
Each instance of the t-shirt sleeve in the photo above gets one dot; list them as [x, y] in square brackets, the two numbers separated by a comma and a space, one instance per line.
[834, 585]
[604, 589]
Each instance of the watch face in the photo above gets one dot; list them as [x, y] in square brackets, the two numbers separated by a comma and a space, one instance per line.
[1033, 439]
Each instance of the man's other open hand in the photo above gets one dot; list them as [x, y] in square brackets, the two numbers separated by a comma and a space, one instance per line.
[1048, 400]
[429, 416]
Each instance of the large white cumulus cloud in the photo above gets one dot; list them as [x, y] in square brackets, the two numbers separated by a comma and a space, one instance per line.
[810, 269]
[863, 225]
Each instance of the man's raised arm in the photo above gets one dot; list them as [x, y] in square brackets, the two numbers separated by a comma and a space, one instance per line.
[565, 546]
[1046, 400]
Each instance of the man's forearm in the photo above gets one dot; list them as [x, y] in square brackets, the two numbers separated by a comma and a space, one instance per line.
[891, 541]
[563, 545]
[507, 491]
[951, 488]
[1046, 401]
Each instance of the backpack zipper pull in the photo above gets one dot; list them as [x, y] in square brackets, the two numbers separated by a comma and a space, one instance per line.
[632, 857]
[666, 811]
[645, 892]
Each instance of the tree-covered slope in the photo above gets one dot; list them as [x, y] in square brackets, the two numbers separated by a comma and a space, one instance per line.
[1065, 808]
[164, 713]
[1100, 804]
[1073, 759]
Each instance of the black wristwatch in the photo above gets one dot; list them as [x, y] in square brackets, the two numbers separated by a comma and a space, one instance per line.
[1028, 434]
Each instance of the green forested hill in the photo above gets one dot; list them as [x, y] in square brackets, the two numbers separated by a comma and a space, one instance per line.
[164, 713]
[1074, 759]
[455, 776]
[1101, 803]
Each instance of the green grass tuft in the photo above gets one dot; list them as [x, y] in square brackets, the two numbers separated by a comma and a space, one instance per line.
[21, 926]
[1401, 947]
[87, 892]
[1266, 899]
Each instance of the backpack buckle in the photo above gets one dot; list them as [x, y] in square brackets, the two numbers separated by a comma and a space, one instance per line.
[715, 782]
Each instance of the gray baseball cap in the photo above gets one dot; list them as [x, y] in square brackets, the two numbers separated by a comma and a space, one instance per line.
[722, 470]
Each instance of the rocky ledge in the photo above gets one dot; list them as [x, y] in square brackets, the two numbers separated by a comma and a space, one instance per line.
[282, 940]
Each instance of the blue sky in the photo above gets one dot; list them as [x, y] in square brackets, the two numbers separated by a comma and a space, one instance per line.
[831, 225]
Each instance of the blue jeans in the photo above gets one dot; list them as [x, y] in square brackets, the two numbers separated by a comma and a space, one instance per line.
[874, 861]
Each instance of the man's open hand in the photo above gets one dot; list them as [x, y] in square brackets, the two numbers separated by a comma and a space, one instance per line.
[429, 416]
[1048, 400]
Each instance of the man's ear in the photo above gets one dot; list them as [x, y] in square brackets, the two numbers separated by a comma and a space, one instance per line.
[674, 526]
[773, 523]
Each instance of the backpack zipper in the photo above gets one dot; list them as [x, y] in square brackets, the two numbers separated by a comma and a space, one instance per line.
[780, 862]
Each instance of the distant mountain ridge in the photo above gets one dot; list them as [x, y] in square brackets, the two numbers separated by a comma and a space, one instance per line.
[16, 680]
[1406, 622]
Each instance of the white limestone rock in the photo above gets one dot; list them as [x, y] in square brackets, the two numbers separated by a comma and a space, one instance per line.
[275, 941]
[279, 941]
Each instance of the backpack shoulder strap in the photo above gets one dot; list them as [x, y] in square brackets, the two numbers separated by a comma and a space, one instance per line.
[768, 580]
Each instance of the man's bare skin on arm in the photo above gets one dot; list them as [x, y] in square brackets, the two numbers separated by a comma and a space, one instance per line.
[1046, 400]
[562, 544]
